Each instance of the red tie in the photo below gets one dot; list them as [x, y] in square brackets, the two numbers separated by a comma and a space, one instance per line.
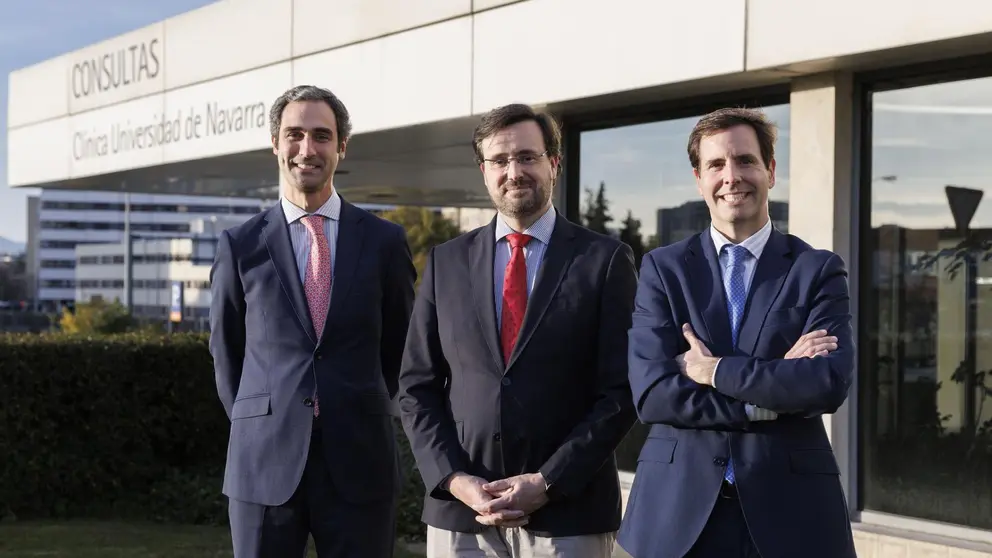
[514, 293]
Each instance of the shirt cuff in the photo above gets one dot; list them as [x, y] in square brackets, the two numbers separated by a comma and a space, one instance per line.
[757, 413]
[753, 412]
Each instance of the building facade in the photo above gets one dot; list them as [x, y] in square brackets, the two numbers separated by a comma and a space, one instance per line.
[883, 108]
[157, 266]
[61, 220]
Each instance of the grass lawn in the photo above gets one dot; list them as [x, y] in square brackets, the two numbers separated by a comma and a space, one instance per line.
[88, 539]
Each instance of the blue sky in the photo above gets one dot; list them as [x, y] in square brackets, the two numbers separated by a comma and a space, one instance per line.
[50, 28]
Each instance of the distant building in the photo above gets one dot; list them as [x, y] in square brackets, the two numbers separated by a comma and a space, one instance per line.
[158, 263]
[678, 223]
[61, 220]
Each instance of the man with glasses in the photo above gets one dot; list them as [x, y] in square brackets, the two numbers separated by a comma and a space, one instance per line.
[513, 387]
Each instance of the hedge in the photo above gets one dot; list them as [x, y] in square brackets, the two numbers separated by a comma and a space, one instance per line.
[126, 426]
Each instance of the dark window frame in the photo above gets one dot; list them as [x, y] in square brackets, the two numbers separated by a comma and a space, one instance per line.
[866, 84]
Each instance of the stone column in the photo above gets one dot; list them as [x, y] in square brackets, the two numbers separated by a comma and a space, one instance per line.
[822, 208]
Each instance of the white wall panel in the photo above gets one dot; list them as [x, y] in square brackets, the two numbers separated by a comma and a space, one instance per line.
[322, 24]
[229, 115]
[225, 38]
[37, 93]
[580, 48]
[486, 4]
[125, 136]
[118, 69]
[39, 152]
[409, 78]
[781, 32]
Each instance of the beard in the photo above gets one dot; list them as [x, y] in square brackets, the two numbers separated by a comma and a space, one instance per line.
[526, 204]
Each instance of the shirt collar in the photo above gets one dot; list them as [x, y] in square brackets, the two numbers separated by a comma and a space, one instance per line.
[331, 209]
[755, 244]
[541, 229]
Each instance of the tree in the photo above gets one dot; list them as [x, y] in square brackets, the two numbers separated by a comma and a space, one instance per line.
[425, 229]
[97, 317]
[12, 279]
[597, 212]
[631, 234]
[652, 243]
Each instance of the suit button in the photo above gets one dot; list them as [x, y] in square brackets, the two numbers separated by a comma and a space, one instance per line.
[319, 357]
[505, 381]
[308, 402]
[720, 461]
[496, 436]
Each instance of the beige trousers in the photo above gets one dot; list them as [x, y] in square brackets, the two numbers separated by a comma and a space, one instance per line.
[502, 542]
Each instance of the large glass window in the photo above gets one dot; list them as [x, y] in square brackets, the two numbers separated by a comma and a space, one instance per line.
[926, 305]
[637, 184]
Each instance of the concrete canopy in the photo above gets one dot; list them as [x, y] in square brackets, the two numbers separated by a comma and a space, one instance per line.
[180, 106]
[429, 165]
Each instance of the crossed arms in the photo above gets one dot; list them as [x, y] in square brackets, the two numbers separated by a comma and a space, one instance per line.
[680, 392]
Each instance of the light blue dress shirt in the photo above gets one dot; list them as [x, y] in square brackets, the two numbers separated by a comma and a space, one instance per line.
[300, 236]
[540, 232]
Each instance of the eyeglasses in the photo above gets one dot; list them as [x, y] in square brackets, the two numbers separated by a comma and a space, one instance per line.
[525, 159]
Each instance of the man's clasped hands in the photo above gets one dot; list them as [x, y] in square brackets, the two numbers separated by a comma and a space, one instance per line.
[510, 502]
[504, 503]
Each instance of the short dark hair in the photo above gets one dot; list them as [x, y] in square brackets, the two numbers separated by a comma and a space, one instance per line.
[727, 118]
[508, 115]
[311, 93]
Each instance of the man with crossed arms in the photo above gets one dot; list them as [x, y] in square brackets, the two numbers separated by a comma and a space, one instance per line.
[737, 463]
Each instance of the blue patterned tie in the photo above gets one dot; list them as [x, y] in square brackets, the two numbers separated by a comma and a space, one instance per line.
[736, 291]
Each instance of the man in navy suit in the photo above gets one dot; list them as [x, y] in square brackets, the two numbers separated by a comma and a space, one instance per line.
[310, 305]
[741, 340]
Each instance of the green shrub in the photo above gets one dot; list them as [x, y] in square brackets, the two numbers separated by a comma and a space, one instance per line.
[123, 426]
[97, 317]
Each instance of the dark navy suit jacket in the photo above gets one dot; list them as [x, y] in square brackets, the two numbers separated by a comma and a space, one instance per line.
[787, 476]
[268, 361]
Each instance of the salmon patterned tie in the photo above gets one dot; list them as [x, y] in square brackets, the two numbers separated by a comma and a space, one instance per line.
[317, 282]
[514, 293]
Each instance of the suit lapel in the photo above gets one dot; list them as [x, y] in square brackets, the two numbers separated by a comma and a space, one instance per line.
[480, 258]
[557, 257]
[280, 247]
[706, 284]
[773, 267]
[348, 247]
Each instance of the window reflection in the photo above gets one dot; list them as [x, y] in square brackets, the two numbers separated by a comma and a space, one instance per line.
[926, 410]
[637, 185]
